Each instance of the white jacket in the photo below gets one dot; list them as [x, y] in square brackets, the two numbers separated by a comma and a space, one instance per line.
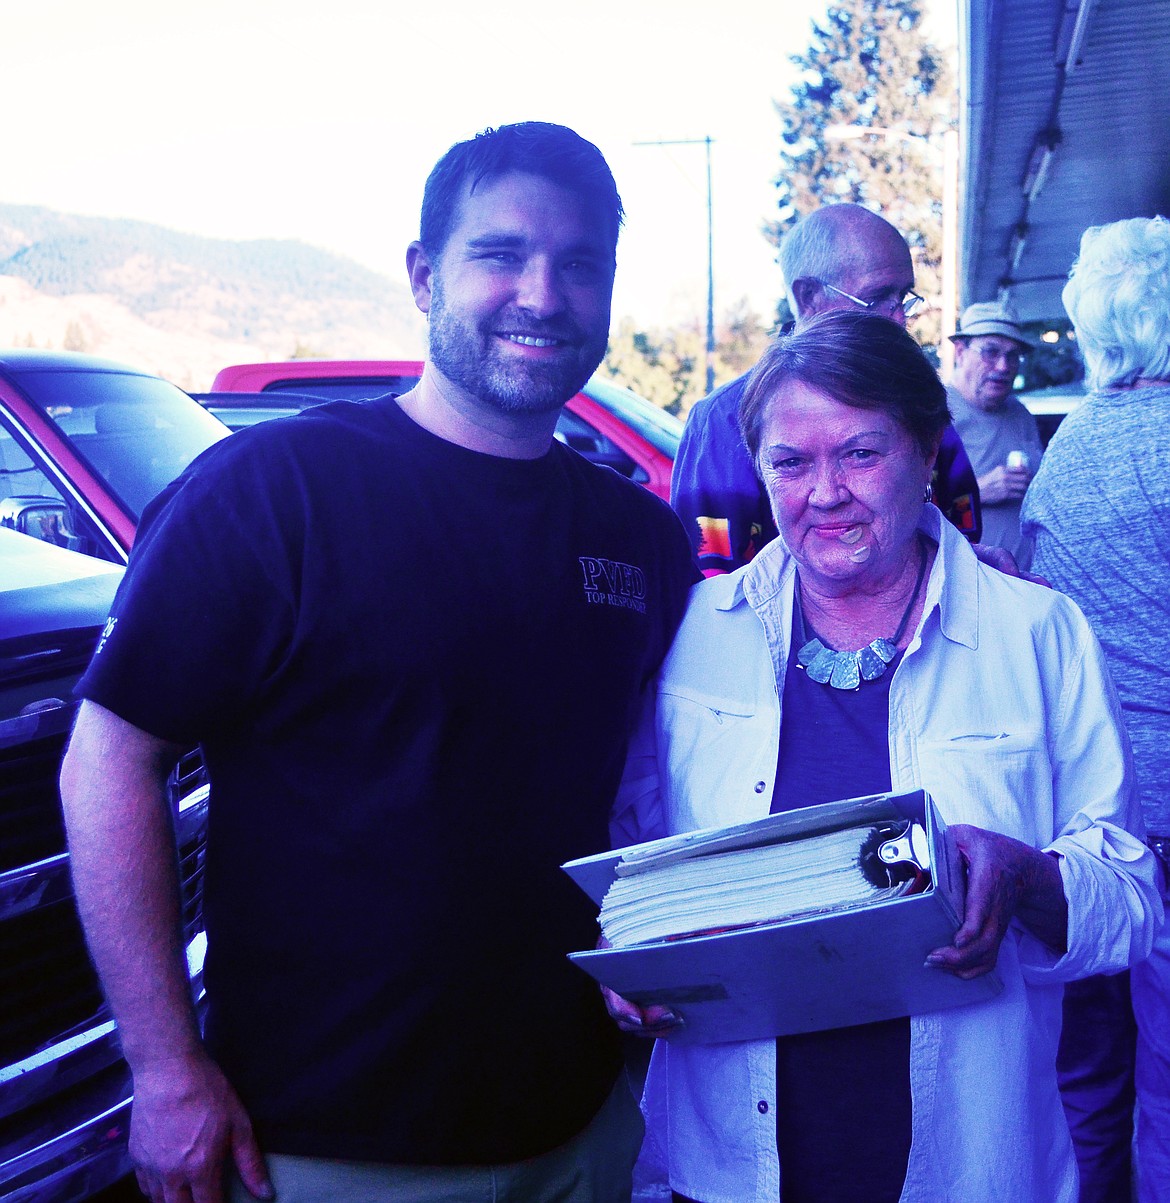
[1003, 710]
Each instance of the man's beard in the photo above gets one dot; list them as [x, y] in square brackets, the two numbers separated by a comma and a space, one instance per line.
[473, 359]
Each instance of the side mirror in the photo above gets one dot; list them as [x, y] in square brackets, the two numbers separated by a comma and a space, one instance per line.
[43, 518]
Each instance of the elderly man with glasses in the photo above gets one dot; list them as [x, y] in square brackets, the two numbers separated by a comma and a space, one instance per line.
[843, 256]
[1000, 435]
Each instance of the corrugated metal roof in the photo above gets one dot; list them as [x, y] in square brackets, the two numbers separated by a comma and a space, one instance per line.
[1105, 117]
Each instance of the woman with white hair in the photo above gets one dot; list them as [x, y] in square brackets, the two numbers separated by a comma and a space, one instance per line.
[1098, 511]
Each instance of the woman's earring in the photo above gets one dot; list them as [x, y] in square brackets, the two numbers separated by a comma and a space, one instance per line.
[928, 495]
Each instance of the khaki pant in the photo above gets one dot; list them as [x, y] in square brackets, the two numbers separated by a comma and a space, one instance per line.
[595, 1166]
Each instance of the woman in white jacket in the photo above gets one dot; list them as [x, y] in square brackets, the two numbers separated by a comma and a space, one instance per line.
[867, 649]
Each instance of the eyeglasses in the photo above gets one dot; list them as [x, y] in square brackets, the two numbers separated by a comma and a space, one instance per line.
[991, 355]
[886, 305]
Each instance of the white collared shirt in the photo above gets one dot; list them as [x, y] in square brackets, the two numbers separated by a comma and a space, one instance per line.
[1002, 709]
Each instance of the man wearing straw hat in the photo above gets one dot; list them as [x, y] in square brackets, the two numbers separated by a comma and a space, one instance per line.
[1000, 435]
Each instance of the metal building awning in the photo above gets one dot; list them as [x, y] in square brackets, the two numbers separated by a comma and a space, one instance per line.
[1065, 124]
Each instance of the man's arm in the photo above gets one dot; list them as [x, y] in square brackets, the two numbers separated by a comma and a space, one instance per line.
[1003, 484]
[714, 488]
[1008, 483]
[956, 491]
[186, 1118]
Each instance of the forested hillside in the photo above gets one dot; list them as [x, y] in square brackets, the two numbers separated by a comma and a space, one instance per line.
[184, 305]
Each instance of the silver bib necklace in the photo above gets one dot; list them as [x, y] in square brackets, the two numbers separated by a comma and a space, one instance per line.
[846, 670]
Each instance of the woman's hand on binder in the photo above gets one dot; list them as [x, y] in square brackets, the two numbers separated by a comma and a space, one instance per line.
[652, 1021]
[1006, 880]
[642, 1021]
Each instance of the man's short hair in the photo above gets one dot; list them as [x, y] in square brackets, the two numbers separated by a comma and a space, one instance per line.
[552, 152]
[858, 359]
[1118, 298]
[828, 241]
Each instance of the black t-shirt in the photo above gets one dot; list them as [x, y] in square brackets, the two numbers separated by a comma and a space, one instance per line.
[413, 669]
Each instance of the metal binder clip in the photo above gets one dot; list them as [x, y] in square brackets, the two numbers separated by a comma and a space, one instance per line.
[910, 847]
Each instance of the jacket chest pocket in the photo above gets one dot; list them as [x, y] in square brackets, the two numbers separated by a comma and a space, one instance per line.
[719, 758]
[1000, 780]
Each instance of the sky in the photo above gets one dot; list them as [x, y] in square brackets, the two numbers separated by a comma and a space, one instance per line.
[320, 121]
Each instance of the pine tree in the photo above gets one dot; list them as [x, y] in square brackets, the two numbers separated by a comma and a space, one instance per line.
[669, 367]
[75, 338]
[870, 66]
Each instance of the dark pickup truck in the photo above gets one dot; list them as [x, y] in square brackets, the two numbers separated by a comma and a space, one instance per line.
[84, 444]
[64, 1088]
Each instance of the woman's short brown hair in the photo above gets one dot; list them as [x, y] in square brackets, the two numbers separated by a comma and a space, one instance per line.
[857, 358]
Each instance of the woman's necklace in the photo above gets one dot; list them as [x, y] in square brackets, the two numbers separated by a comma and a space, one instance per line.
[846, 670]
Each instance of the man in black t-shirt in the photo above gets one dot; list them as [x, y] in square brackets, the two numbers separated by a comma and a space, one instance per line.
[411, 635]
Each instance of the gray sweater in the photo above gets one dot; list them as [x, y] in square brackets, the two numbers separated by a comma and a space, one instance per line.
[1099, 513]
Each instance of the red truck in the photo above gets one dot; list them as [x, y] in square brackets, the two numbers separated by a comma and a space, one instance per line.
[606, 423]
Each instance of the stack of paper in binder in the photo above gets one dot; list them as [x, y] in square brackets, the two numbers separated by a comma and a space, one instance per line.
[726, 881]
[815, 918]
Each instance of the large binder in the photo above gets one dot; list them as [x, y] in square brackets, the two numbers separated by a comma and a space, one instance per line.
[828, 969]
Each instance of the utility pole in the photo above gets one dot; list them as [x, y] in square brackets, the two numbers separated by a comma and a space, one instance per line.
[710, 251]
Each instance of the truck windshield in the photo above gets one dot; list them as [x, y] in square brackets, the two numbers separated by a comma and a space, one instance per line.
[136, 432]
[659, 428]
